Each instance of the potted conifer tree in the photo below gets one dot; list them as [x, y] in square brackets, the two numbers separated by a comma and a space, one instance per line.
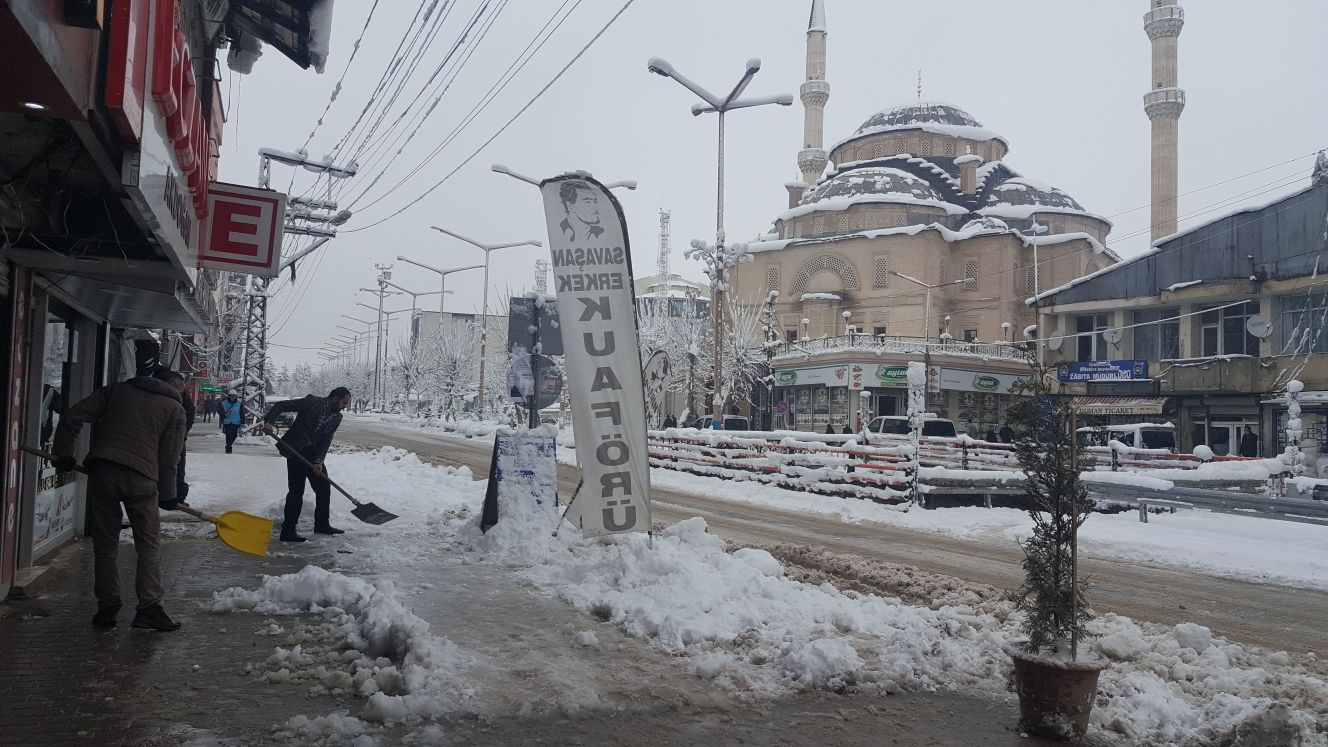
[1055, 677]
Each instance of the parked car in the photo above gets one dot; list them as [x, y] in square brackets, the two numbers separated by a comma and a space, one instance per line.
[897, 425]
[1137, 435]
[731, 422]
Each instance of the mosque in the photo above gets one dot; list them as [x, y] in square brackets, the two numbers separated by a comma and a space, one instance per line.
[915, 237]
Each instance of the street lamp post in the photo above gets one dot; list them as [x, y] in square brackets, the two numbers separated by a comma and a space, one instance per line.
[488, 250]
[926, 309]
[442, 288]
[368, 325]
[413, 296]
[718, 260]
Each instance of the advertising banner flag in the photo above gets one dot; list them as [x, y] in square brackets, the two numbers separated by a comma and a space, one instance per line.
[592, 270]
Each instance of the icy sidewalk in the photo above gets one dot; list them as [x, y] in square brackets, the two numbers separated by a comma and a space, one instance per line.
[424, 624]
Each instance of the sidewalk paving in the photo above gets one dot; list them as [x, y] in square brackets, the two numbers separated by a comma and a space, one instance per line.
[63, 682]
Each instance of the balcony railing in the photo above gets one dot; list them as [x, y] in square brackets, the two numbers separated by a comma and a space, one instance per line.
[876, 344]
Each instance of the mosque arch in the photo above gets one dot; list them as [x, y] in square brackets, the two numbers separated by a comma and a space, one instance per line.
[848, 276]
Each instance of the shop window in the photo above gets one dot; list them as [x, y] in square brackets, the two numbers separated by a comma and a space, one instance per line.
[881, 273]
[1222, 331]
[1159, 337]
[1091, 345]
[1304, 324]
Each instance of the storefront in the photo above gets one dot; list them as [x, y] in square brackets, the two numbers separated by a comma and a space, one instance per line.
[809, 399]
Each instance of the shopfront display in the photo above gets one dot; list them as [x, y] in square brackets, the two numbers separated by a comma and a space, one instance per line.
[54, 515]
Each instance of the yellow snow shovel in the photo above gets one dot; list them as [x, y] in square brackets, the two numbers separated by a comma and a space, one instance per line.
[240, 531]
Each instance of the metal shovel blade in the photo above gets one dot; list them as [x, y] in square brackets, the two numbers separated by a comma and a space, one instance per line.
[372, 514]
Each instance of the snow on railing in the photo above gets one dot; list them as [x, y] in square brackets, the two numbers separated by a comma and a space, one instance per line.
[862, 342]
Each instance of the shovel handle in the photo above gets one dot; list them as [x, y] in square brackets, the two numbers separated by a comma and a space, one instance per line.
[50, 457]
[286, 449]
[80, 468]
[200, 515]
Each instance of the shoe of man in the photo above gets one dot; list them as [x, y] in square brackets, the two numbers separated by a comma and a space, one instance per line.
[105, 617]
[293, 537]
[154, 618]
[329, 529]
[228, 449]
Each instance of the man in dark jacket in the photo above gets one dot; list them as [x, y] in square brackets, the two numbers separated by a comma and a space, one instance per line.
[1249, 443]
[179, 384]
[316, 420]
[136, 443]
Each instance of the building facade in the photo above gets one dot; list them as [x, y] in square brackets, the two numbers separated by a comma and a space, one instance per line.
[1206, 329]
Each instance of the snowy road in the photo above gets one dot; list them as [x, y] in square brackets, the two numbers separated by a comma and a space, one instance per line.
[1266, 615]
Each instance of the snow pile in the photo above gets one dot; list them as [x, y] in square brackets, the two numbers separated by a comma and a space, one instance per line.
[363, 642]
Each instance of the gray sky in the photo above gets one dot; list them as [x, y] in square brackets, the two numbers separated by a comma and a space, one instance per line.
[1063, 82]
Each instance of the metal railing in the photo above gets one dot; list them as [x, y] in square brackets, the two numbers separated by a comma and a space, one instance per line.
[1305, 511]
[865, 343]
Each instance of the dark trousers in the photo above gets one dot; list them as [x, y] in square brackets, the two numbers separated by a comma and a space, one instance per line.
[232, 432]
[296, 475]
[111, 486]
[181, 487]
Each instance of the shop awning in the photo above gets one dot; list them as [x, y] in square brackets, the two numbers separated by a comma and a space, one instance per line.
[1118, 405]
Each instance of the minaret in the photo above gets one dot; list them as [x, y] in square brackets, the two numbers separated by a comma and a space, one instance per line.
[1163, 105]
[814, 93]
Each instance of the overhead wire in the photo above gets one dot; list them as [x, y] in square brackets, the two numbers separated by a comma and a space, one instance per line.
[505, 125]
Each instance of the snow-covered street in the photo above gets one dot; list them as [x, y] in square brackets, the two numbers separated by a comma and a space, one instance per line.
[527, 623]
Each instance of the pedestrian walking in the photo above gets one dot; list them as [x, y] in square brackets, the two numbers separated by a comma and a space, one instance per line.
[990, 436]
[1249, 443]
[136, 445]
[209, 408]
[1006, 434]
[847, 429]
[316, 421]
[232, 415]
[670, 422]
[830, 429]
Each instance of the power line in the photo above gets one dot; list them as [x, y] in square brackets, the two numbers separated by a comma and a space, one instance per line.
[509, 122]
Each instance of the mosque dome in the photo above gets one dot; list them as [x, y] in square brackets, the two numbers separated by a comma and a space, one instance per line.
[919, 112]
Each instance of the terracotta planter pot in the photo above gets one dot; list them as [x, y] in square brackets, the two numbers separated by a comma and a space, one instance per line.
[1055, 697]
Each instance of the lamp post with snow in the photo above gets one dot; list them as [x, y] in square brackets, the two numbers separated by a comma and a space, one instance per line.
[442, 287]
[718, 259]
[488, 250]
[413, 305]
[926, 312]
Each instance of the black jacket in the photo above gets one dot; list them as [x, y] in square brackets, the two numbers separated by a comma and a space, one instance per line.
[315, 423]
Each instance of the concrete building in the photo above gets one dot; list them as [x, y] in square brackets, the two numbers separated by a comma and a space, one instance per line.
[924, 240]
[111, 123]
[1205, 329]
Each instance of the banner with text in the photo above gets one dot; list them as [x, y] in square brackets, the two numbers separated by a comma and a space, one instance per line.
[592, 270]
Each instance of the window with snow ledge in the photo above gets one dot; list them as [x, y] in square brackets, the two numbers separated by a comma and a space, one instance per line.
[949, 147]
[925, 150]
[901, 219]
[879, 151]
[1302, 328]
[873, 221]
[971, 268]
[818, 226]
[844, 223]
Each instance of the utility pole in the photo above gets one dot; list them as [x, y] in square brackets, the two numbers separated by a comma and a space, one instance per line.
[301, 219]
[542, 276]
[382, 292]
[665, 250]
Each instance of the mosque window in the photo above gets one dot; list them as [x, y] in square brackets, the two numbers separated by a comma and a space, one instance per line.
[872, 221]
[844, 223]
[949, 147]
[971, 274]
[818, 226]
[901, 147]
[988, 152]
[878, 151]
[881, 273]
[901, 219]
[925, 149]
[772, 278]
[1030, 280]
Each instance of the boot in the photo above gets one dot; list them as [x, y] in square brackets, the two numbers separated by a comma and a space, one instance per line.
[328, 529]
[292, 537]
[105, 617]
[154, 618]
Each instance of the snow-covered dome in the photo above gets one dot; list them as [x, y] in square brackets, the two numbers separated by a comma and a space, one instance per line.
[919, 112]
[873, 180]
[1025, 193]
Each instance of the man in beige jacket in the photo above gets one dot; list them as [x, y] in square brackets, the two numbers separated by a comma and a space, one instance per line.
[137, 437]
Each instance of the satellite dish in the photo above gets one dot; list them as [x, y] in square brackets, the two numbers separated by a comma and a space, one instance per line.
[1112, 335]
[1054, 342]
[1258, 326]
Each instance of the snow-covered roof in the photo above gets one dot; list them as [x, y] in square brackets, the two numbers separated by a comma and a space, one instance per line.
[1019, 198]
[928, 116]
[970, 230]
[820, 297]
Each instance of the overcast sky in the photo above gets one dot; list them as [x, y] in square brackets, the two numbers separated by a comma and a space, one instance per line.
[1063, 82]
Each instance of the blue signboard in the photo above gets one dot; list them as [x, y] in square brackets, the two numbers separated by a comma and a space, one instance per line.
[1102, 371]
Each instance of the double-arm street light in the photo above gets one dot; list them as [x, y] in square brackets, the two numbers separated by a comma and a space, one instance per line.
[488, 250]
[926, 313]
[414, 304]
[717, 260]
[442, 286]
